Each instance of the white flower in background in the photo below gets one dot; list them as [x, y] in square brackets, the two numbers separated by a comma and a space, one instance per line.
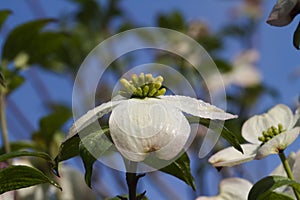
[243, 72]
[149, 122]
[231, 189]
[268, 133]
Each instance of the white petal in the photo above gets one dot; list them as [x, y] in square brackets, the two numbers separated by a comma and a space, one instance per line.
[197, 107]
[253, 127]
[139, 127]
[91, 116]
[296, 167]
[279, 142]
[229, 157]
[232, 189]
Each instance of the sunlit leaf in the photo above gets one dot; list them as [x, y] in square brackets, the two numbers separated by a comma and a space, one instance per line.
[181, 169]
[97, 143]
[3, 16]
[225, 133]
[12, 80]
[16, 154]
[16, 177]
[296, 38]
[263, 188]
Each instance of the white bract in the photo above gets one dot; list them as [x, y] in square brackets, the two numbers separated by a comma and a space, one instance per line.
[149, 122]
[267, 134]
[231, 189]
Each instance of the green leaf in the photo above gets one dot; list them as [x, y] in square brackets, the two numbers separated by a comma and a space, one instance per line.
[16, 177]
[3, 16]
[29, 39]
[278, 196]
[225, 133]
[12, 80]
[2, 80]
[52, 123]
[68, 149]
[181, 169]
[16, 154]
[97, 143]
[296, 37]
[20, 145]
[265, 186]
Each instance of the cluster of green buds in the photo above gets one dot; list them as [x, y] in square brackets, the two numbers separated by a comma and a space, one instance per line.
[142, 86]
[270, 133]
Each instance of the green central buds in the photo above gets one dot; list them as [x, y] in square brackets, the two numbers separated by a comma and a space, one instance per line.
[142, 86]
[270, 133]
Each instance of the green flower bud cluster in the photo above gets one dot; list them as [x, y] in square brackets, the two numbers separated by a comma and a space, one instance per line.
[270, 133]
[142, 86]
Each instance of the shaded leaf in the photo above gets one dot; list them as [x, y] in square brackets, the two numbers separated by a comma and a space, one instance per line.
[181, 169]
[2, 80]
[21, 177]
[16, 154]
[278, 196]
[12, 80]
[3, 16]
[263, 188]
[296, 37]
[225, 133]
[41, 47]
[68, 149]
[97, 143]
[20, 145]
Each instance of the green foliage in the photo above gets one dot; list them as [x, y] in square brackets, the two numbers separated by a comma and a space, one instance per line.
[225, 133]
[2, 80]
[180, 168]
[97, 143]
[16, 154]
[296, 37]
[264, 188]
[3, 16]
[12, 80]
[16, 177]
[31, 40]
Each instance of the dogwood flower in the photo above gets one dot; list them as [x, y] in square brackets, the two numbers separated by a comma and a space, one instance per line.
[145, 121]
[230, 189]
[269, 133]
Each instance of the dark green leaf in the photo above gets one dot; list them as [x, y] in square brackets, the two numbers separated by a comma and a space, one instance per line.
[68, 149]
[97, 143]
[41, 47]
[2, 80]
[296, 37]
[277, 196]
[16, 154]
[16, 177]
[52, 123]
[181, 169]
[267, 185]
[125, 196]
[20, 145]
[3, 16]
[225, 133]
[12, 80]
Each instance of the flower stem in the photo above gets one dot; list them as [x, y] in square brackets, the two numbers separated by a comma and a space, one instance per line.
[132, 179]
[288, 171]
[3, 122]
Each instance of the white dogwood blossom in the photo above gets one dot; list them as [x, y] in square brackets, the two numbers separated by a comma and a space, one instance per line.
[146, 121]
[231, 189]
[269, 133]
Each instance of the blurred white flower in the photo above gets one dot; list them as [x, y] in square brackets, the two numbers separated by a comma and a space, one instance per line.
[149, 122]
[243, 73]
[268, 133]
[231, 189]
